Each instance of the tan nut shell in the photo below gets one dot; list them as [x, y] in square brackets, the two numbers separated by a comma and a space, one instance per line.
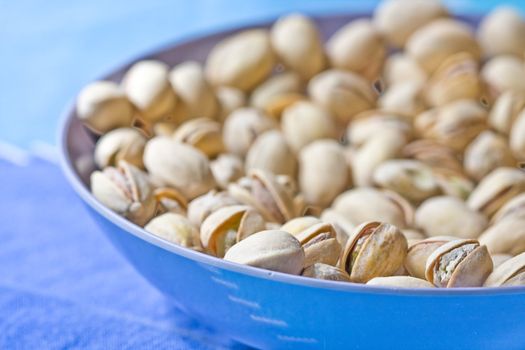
[405, 99]
[103, 106]
[506, 236]
[120, 144]
[501, 32]
[418, 253]
[514, 207]
[276, 87]
[506, 271]
[241, 61]
[326, 272]
[174, 228]
[434, 154]
[272, 250]
[271, 152]
[201, 207]
[400, 282]
[401, 68]
[503, 73]
[202, 133]
[369, 123]
[297, 42]
[296, 225]
[170, 200]
[229, 99]
[227, 168]
[517, 137]
[505, 111]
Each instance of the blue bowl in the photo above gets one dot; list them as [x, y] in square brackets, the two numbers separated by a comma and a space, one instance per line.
[267, 309]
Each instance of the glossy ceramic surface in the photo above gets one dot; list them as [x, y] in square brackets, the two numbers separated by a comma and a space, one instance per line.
[272, 310]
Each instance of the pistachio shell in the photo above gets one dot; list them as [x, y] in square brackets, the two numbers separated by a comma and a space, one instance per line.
[296, 225]
[174, 228]
[505, 111]
[501, 32]
[514, 207]
[320, 244]
[272, 250]
[400, 282]
[367, 124]
[517, 137]
[507, 236]
[446, 215]
[343, 227]
[271, 152]
[241, 61]
[418, 253]
[227, 168]
[164, 128]
[229, 99]
[326, 272]
[120, 144]
[453, 183]
[506, 271]
[413, 235]
[178, 165]
[498, 259]
[405, 99]
[170, 200]
[201, 207]
[401, 68]
[265, 95]
[297, 42]
[202, 133]
[147, 85]
[103, 106]
[434, 154]
[503, 73]
[357, 47]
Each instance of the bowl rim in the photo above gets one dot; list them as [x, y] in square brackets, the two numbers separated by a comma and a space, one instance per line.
[66, 119]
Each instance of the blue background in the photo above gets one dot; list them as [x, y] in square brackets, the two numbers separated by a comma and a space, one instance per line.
[61, 284]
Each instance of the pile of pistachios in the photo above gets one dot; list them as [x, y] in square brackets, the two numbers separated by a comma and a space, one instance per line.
[388, 153]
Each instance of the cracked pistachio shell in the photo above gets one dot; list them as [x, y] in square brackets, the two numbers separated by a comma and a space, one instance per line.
[396, 20]
[342, 93]
[401, 68]
[400, 282]
[297, 43]
[227, 168]
[304, 122]
[505, 111]
[374, 249]
[418, 253]
[242, 127]
[267, 194]
[455, 124]
[411, 179]
[514, 207]
[120, 144]
[296, 225]
[201, 207]
[517, 137]
[446, 215]
[485, 153]
[320, 244]
[147, 85]
[103, 106]
[454, 183]
[326, 272]
[174, 228]
[323, 172]
[357, 47]
[506, 272]
[506, 236]
[433, 154]
[496, 189]
[271, 249]
[229, 99]
[367, 124]
[271, 152]
[194, 92]
[405, 99]
[202, 133]
[382, 146]
[433, 43]
[343, 227]
[455, 79]
[501, 32]
[241, 61]
[227, 226]
[125, 190]
[459, 263]
[274, 89]
[503, 73]
[366, 203]
[178, 165]
[170, 200]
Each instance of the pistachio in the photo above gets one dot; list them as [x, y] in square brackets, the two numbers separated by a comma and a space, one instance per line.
[514, 207]
[120, 144]
[503, 73]
[400, 282]
[365, 204]
[506, 236]
[170, 200]
[418, 253]
[178, 165]
[404, 99]
[304, 122]
[397, 20]
[125, 190]
[508, 272]
[401, 68]
[296, 225]
[190, 85]
[271, 152]
[459, 263]
[455, 124]
[274, 89]
[413, 235]
[202, 133]
[498, 259]
[319, 243]
[342, 93]
[164, 128]
[147, 85]
[102, 106]
[229, 99]
[343, 227]
[367, 124]
[517, 137]
[278, 105]
[297, 42]
[227, 168]
[505, 110]
[201, 207]
[453, 183]
[357, 47]
[174, 228]
[446, 215]
[227, 226]
[272, 250]
[323, 172]
[434, 154]
[241, 61]
[409, 178]
[326, 272]
[496, 189]
[374, 250]
[433, 43]
[501, 32]
[242, 127]
[485, 153]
